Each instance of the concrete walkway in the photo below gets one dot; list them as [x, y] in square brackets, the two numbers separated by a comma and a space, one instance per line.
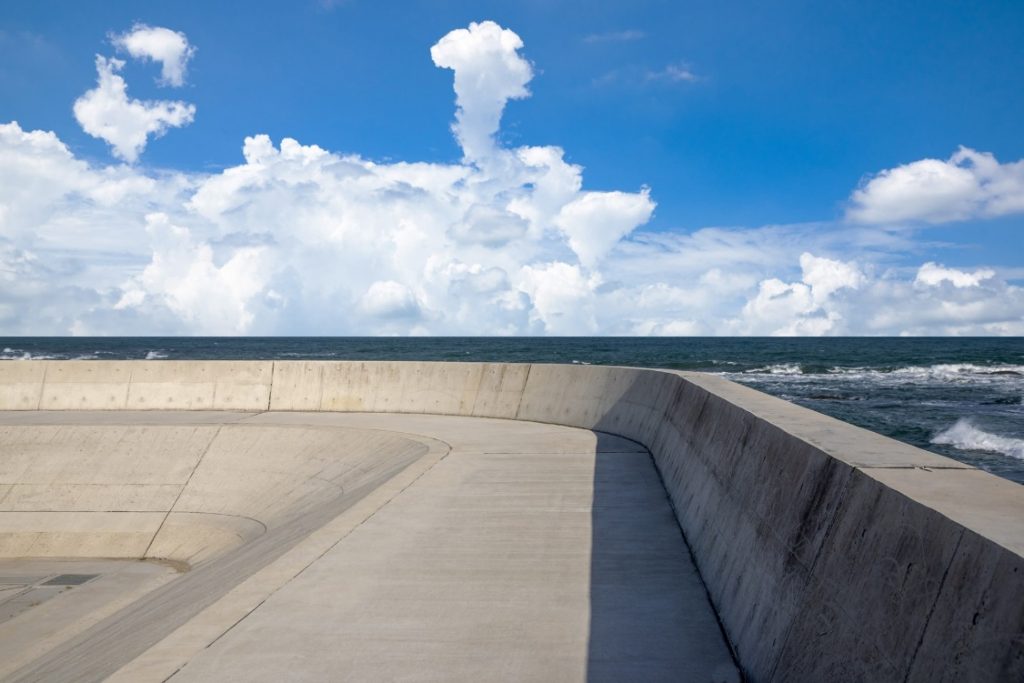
[508, 551]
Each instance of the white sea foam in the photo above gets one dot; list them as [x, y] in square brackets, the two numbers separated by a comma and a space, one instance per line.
[965, 436]
[943, 373]
[155, 355]
[777, 369]
[18, 354]
[960, 372]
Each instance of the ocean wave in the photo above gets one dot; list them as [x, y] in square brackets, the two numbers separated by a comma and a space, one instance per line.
[156, 355]
[777, 369]
[942, 373]
[18, 354]
[965, 436]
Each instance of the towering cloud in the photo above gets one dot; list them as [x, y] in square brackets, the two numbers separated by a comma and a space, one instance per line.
[297, 239]
[488, 73]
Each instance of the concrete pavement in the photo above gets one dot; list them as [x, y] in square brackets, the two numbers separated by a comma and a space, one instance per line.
[502, 550]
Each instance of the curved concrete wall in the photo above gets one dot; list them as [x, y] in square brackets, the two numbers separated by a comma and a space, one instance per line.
[830, 553]
[186, 493]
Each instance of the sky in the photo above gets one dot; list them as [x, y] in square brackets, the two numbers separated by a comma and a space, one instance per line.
[346, 167]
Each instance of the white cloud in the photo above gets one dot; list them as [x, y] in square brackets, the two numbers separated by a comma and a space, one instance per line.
[170, 48]
[826, 276]
[562, 298]
[106, 112]
[672, 73]
[488, 73]
[804, 307]
[297, 239]
[596, 221]
[969, 184]
[933, 275]
[836, 297]
[184, 277]
[640, 76]
[390, 299]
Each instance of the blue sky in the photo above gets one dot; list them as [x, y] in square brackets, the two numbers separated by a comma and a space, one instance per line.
[734, 115]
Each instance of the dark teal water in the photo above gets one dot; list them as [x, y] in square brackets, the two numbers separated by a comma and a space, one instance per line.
[958, 397]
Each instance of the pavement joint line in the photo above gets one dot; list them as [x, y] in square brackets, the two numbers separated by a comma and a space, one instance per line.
[182, 490]
[313, 561]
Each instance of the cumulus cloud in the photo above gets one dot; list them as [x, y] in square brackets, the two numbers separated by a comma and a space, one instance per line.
[126, 124]
[390, 299]
[969, 184]
[804, 307]
[159, 44]
[562, 297]
[595, 221]
[934, 275]
[210, 298]
[489, 72]
[837, 297]
[298, 239]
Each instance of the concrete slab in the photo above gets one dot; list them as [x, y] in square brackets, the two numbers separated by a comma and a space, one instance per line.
[44, 625]
[546, 564]
[528, 552]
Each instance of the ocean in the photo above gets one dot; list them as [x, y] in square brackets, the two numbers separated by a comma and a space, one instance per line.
[960, 397]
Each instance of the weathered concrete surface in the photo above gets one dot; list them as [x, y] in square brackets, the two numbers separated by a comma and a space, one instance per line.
[829, 552]
[179, 492]
[36, 618]
[512, 550]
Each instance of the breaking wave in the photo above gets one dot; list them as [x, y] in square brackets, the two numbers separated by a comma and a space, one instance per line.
[939, 373]
[777, 369]
[17, 354]
[965, 436]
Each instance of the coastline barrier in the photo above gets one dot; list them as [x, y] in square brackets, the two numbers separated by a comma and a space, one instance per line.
[828, 551]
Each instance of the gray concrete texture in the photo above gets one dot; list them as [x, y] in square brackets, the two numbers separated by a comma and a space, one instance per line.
[487, 550]
[828, 552]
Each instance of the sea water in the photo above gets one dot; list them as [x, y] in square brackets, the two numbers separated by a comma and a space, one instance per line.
[963, 398]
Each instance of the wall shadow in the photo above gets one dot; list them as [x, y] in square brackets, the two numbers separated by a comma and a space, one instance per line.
[650, 616]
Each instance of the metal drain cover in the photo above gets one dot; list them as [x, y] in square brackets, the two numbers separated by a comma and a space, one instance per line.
[70, 579]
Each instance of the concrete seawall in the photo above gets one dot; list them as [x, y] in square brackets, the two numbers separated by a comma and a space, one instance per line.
[829, 552]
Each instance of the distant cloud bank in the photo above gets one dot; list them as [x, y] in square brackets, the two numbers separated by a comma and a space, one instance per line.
[297, 239]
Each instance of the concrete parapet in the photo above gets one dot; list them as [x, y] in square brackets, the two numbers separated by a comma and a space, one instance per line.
[829, 552]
